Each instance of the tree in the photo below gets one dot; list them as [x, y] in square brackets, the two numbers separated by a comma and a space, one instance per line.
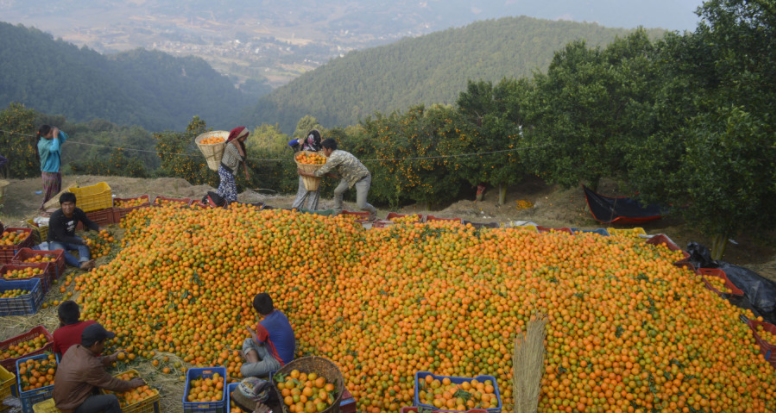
[17, 141]
[582, 113]
[495, 113]
[180, 157]
[714, 152]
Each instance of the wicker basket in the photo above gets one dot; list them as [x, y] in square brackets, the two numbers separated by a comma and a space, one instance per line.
[310, 183]
[214, 151]
[323, 367]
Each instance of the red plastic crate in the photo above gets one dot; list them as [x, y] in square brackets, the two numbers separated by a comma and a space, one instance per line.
[767, 327]
[7, 252]
[663, 239]
[101, 217]
[542, 229]
[10, 363]
[120, 212]
[391, 215]
[58, 257]
[430, 218]
[714, 272]
[382, 223]
[360, 216]
[46, 279]
[183, 201]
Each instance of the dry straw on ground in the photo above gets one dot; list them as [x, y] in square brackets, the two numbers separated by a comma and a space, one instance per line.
[528, 366]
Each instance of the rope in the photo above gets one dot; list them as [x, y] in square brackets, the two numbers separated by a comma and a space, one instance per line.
[462, 155]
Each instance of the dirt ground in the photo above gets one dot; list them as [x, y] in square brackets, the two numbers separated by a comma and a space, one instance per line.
[552, 207]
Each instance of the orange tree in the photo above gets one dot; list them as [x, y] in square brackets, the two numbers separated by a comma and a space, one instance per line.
[118, 165]
[17, 123]
[411, 154]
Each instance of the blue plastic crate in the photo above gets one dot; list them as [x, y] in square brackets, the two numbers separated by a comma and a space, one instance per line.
[456, 380]
[32, 397]
[229, 389]
[25, 304]
[599, 231]
[205, 407]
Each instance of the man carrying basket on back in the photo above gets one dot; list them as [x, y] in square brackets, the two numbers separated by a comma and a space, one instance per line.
[352, 172]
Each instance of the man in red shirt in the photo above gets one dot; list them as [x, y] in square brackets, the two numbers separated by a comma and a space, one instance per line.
[70, 329]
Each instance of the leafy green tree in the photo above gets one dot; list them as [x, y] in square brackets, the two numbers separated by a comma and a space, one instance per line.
[495, 113]
[181, 158]
[119, 164]
[17, 144]
[582, 113]
[714, 151]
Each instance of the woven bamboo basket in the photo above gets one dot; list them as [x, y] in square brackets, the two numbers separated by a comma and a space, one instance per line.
[323, 367]
[213, 152]
[310, 183]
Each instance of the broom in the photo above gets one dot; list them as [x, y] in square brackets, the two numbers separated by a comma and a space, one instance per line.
[528, 366]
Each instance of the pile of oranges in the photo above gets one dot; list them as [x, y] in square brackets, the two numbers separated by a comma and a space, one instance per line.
[170, 202]
[206, 389]
[306, 393]
[99, 244]
[25, 347]
[626, 328]
[39, 258]
[26, 272]
[718, 284]
[133, 396]
[409, 219]
[523, 204]
[444, 394]
[211, 140]
[13, 237]
[13, 293]
[129, 203]
[310, 158]
[766, 335]
[37, 373]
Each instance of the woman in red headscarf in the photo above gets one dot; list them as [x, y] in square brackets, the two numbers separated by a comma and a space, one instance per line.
[234, 155]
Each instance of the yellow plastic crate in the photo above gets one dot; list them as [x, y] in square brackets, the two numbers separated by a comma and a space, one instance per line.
[94, 197]
[7, 381]
[627, 232]
[149, 405]
[46, 406]
[42, 231]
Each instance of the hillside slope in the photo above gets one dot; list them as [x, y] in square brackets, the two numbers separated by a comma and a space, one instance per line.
[150, 89]
[428, 69]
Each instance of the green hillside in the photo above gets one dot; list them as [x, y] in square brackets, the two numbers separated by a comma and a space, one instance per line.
[150, 89]
[428, 69]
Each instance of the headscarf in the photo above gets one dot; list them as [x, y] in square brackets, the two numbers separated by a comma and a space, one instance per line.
[313, 141]
[234, 137]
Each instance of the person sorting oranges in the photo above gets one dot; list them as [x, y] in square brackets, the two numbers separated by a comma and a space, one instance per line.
[61, 233]
[312, 143]
[70, 328]
[353, 173]
[82, 371]
[272, 344]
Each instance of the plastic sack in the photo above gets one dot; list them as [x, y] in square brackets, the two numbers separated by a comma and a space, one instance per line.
[759, 291]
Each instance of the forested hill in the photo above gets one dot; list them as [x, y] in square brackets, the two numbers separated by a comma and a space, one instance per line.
[151, 89]
[428, 69]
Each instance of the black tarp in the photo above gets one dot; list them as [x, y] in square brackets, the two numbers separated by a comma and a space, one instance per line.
[621, 210]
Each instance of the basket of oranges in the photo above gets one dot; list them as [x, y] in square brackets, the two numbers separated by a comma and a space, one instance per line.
[456, 393]
[35, 379]
[310, 162]
[138, 400]
[310, 384]
[212, 145]
[205, 388]
[12, 240]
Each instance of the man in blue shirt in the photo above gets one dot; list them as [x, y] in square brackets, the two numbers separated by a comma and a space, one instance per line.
[272, 344]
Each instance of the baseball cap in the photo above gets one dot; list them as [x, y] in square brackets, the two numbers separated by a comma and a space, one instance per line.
[94, 333]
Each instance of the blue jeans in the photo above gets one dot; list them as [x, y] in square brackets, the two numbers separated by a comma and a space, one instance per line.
[83, 252]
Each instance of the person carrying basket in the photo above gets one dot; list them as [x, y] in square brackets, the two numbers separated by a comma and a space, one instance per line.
[234, 155]
[311, 143]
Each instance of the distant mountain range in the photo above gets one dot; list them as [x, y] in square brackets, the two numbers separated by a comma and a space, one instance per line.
[428, 69]
[150, 89]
